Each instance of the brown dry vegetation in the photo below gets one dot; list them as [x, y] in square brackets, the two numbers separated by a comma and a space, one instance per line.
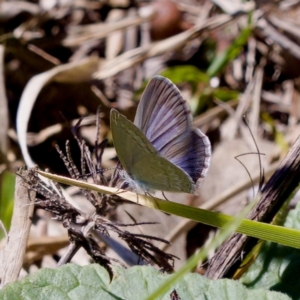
[60, 61]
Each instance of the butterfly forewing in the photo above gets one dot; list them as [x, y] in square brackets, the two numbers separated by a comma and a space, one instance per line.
[161, 115]
[165, 119]
[142, 162]
[129, 146]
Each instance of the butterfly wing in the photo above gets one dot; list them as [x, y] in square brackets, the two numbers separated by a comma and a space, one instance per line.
[142, 162]
[165, 119]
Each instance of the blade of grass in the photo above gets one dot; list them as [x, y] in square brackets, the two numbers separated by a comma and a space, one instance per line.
[230, 53]
[220, 237]
[281, 235]
[6, 199]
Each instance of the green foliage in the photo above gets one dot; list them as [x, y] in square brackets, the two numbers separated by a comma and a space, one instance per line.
[203, 92]
[274, 271]
[6, 199]
[92, 282]
[286, 236]
[224, 94]
[278, 136]
[185, 73]
[277, 267]
[230, 53]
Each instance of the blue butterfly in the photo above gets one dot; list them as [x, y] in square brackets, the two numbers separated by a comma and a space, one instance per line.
[161, 150]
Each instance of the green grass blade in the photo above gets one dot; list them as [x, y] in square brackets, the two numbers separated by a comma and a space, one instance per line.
[268, 232]
[220, 237]
[6, 199]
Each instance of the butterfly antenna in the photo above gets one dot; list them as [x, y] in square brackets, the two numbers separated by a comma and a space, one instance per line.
[97, 127]
[131, 217]
[102, 145]
[165, 196]
[116, 176]
[246, 169]
[261, 171]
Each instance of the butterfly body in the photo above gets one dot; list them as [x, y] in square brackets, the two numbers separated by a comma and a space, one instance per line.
[161, 150]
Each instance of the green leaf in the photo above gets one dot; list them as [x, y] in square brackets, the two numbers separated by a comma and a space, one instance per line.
[67, 282]
[6, 199]
[179, 74]
[230, 53]
[186, 73]
[277, 267]
[279, 137]
[92, 282]
[202, 92]
[225, 94]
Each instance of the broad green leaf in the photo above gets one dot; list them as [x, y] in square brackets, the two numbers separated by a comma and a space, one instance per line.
[136, 283]
[277, 267]
[67, 282]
